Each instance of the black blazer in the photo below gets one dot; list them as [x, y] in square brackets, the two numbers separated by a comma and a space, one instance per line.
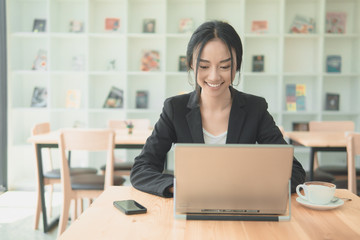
[180, 122]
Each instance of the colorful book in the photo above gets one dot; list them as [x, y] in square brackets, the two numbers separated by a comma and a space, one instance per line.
[335, 22]
[112, 24]
[40, 61]
[332, 101]
[302, 24]
[149, 25]
[259, 26]
[39, 25]
[333, 63]
[76, 26]
[150, 61]
[186, 25]
[73, 97]
[115, 98]
[182, 64]
[39, 97]
[295, 97]
[142, 98]
[258, 63]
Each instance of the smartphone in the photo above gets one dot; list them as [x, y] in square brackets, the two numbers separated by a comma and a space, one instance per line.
[130, 207]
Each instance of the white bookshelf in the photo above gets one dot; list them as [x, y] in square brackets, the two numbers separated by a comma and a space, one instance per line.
[289, 58]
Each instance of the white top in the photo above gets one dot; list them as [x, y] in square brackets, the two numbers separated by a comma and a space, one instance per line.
[211, 139]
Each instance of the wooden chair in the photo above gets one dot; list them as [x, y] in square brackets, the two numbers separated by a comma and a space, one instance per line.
[124, 167]
[84, 185]
[353, 150]
[318, 174]
[340, 172]
[51, 176]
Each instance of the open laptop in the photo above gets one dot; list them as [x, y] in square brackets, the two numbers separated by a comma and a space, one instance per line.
[232, 181]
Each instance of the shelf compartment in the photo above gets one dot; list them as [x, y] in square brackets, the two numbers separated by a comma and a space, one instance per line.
[301, 55]
[138, 10]
[62, 12]
[99, 88]
[263, 10]
[107, 54]
[99, 10]
[179, 9]
[152, 84]
[268, 47]
[269, 89]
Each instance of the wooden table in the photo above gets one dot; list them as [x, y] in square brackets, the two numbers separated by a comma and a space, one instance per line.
[319, 142]
[50, 140]
[103, 221]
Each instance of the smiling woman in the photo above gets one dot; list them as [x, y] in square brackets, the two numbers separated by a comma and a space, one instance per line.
[215, 113]
[3, 99]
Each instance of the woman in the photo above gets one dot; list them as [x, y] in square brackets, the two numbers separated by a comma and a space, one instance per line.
[214, 113]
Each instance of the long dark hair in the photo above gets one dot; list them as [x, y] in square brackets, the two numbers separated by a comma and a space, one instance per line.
[208, 31]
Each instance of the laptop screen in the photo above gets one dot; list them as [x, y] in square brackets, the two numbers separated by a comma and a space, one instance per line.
[232, 178]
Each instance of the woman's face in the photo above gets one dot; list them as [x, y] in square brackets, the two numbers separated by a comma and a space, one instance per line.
[214, 70]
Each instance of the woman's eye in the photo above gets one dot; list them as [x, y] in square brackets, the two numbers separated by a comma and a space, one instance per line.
[225, 67]
[203, 67]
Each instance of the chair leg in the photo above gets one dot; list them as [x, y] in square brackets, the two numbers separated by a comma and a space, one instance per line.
[81, 200]
[64, 216]
[38, 210]
[49, 208]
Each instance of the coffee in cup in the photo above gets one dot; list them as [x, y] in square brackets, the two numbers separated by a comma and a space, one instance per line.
[320, 193]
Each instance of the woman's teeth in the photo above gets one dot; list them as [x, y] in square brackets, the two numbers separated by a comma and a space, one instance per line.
[214, 85]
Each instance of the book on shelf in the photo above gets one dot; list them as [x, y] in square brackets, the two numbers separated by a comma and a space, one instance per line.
[73, 98]
[258, 63]
[149, 25]
[295, 97]
[332, 101]
[39, 25]
[186, 25]
[299, 126]
[40, 61]
[39, 97]
[76, 26]
[333, 64]
[112, 24]
[142, 99]
[115, 98]
[302, 24]
[335, 22]
[259, 26]
[150, 61]
[182, 64]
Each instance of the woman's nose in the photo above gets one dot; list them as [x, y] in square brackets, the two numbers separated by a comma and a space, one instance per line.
[214, 74]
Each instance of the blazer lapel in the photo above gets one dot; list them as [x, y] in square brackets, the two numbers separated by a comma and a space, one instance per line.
[194, 119]
[236, 119]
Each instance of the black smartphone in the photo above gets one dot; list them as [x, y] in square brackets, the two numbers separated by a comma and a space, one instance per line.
[130, 207]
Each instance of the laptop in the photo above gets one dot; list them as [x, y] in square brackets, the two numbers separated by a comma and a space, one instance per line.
[232, 181]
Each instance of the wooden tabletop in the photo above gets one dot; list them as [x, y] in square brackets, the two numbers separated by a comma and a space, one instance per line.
[103, 221]
[121, 137]
[318, 139]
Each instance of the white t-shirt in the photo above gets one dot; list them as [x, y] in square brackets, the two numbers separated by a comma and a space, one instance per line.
[211, 139]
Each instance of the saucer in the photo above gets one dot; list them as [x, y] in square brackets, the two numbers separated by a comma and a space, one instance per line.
[328, 206]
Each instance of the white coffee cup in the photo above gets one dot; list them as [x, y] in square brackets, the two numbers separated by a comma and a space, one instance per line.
[319, 193]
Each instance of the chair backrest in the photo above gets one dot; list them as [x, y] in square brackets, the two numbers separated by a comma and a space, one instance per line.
[139, 124]
[353, 149]
[87, 140]
[40, 128]
[43, 128]
[333, 126]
